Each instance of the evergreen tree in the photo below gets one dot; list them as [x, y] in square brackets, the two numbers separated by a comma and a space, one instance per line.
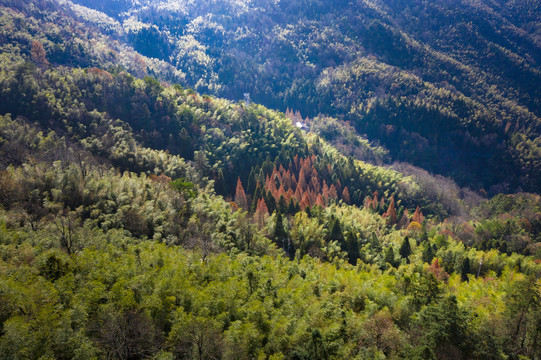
[257, 195]
[424, 237]
[336, 234]
[220, 185]
[280, 234]
[293, 207]
[405, 249]
[271, 202]
[252, 181]
[282, 205]
[404, 220]
[445, 326]
[374, 241]
[389, 256]
[267, 167]
[428, 253]
[352, 248]
[466, 269]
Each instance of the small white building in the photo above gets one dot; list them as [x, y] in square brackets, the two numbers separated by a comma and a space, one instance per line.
[302, 126]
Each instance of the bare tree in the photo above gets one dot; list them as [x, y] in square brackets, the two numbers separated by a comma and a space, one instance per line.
[66, 223]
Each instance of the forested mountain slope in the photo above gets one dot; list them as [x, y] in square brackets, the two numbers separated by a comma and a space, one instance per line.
[449, 86]
[140, 219]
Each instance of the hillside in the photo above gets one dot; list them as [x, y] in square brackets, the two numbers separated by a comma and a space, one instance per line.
[142, 219]
[448, 86]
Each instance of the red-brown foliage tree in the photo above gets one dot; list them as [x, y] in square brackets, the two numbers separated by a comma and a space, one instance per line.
[240, 196]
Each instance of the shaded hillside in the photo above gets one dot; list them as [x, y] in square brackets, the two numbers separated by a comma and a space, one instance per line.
[469, 71]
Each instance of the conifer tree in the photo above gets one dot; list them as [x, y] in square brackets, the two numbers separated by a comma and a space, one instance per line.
[280, 234]
[333, 195]
[220, 185]
[352, 248]
[428, 253]
[298, 195]
[335, 233]
[251, 182]
[424, 237]
[271, 202]
[301, 182]
[276, 182]
[405, 249]
[282, 205]
[261, 212]
[286, 180]
[293, 183]
[325, 192]
[466, 269]
[267, 166]
[296, 162]
[293, 206]
[338, 186]
[314, 184]
[305, 202]
[289, 195]
[368, 203]
[313, 196]
[404, 221]
[374, 241]
[389, 256]
[345, 195]
[280, 192]
[279, 231]
[257, 196]
[319, 201]
[391, 213]
[418, 216]
[240, 196]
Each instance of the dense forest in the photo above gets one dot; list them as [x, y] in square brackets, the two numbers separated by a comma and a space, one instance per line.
[450, 86]
[149, 209]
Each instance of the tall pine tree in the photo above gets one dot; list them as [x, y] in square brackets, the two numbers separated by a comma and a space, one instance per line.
[352, 248]
[240, 196]
[391, 213]
[281, 237]
[389, 256]
[428, 253]
[405, 249]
